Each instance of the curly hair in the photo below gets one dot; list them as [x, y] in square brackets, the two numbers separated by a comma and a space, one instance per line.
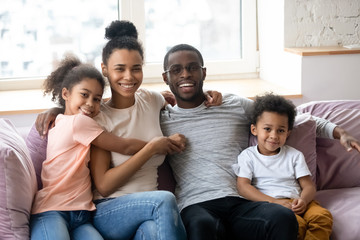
[69, 73]
[121, 35]
[270, 102]
[181, 47]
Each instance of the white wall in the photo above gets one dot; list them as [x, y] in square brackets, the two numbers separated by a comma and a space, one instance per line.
[285, 23]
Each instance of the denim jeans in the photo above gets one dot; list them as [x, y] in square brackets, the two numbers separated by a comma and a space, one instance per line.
[231, 218]
[145, 215]
[63, 225]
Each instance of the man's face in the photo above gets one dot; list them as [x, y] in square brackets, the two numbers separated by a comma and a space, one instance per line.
[185, 76]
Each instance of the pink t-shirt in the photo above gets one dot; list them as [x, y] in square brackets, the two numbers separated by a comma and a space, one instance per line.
[65, 173]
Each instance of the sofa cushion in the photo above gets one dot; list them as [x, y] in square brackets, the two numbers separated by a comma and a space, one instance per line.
[17, 183]
[337, 168]
[343, 204]
[37, 149]
[303, 138]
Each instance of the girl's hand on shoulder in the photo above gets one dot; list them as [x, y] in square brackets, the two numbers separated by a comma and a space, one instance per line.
[213, 98]
[167, 145]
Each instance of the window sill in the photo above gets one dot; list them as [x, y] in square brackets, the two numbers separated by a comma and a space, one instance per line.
[317, 51]
[33, 101]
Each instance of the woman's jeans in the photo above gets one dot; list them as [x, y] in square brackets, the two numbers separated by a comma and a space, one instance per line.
[63, 225]
[143, 215]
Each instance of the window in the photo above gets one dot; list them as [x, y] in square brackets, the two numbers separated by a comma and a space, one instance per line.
[35, 35]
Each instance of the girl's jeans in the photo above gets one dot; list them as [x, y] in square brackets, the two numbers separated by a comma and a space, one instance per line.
[143, 215]
[63, 225]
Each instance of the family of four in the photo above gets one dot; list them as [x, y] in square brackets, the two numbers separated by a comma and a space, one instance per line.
[100, 175]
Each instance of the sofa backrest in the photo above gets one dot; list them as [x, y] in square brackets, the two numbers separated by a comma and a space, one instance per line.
[336, 168]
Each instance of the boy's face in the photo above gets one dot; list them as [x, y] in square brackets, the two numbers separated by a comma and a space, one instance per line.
[271, 130]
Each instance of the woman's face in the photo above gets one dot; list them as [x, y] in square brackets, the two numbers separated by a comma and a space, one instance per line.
[124, 72]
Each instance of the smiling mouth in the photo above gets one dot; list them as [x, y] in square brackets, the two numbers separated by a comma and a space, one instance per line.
[127, 85]
[85, 112]
[186, 85]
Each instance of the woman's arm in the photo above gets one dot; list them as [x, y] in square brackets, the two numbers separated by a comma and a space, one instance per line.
[107, 180]
[45, 120]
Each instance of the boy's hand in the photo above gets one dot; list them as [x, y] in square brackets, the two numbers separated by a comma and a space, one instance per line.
[213, 98]
[298, 206]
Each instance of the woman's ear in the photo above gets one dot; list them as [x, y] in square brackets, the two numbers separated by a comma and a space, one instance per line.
[253, 129]
[104, 70]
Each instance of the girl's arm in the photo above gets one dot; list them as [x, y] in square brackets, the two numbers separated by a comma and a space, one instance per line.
[107, 180]
[249, 192]
[113, 143]
[308, 191]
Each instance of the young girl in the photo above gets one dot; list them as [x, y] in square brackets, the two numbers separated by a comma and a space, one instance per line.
[62, 209]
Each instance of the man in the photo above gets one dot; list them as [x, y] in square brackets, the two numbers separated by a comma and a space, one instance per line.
[206, 185]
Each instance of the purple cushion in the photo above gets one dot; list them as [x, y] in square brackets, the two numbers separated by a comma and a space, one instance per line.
[337, 168]
[17, 183]
[166, 180]
[303, 138]
[37, 150]
[344, 205]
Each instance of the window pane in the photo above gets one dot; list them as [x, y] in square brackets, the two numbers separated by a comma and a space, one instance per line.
[212, 26]
[35, 35]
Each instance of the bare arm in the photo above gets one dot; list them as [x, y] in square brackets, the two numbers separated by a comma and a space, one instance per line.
[308, 191]
[348, 141]
[107, 180]
[249, 192]
[46, 120]
[113, 143]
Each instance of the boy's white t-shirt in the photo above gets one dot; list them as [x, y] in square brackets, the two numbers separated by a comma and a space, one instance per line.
[275, 175]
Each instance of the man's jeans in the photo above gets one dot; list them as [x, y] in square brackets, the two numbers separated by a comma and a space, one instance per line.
[63, 225]
[143, 215]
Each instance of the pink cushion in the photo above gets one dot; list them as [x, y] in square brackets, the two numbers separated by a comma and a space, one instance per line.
[37, 150]
[17, 183]
[344, 205]
[336, 167]
[303, 138]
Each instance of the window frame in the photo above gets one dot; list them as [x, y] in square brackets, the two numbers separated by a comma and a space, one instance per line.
[133, 10]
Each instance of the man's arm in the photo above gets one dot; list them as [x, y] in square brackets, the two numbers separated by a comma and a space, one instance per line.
[327, 129]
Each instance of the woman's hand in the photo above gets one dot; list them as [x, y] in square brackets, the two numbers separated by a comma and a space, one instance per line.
[213, 98]
[46, 120]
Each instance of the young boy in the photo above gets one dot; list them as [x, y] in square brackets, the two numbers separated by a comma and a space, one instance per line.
[277, 173]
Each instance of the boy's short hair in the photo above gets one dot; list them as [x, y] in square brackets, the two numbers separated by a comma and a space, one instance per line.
[270, 102]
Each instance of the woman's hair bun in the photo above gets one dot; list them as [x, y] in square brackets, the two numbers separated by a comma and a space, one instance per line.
[120, 29]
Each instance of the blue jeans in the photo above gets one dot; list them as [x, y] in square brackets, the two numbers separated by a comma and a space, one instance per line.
[63, 225]
[145, 215]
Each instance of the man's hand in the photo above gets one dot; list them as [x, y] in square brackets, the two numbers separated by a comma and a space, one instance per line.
[348, 141]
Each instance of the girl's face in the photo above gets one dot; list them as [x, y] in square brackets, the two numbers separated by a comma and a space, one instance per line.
[271, 130]
[84, 98]
[124, 72]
